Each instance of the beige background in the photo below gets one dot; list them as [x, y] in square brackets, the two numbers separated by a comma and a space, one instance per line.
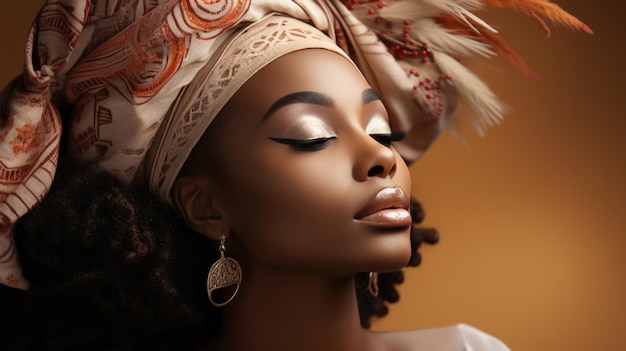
[533, 216]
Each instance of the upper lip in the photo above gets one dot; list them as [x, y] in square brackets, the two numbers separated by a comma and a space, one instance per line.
[386, 198]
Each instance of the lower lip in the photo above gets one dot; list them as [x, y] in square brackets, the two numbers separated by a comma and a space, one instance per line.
[388, 218]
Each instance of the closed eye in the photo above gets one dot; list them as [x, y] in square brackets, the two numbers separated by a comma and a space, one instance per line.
[315, 144]
[387, 138]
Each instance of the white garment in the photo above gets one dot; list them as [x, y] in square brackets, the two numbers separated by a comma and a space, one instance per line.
[459, 337]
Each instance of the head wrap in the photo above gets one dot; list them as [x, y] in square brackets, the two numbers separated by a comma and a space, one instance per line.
[136, 83]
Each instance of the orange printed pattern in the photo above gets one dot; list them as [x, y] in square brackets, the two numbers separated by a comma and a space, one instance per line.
[24, 140]
[215, 14]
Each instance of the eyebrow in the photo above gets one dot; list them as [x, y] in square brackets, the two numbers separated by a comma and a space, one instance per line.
[311, 97]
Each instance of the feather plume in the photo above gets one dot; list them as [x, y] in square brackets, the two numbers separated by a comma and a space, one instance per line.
[440, 38]
[489, 109]
[447, 29]
[461, 9]
[401, 10]
[452, 5]
[497, 44]
[542, 9]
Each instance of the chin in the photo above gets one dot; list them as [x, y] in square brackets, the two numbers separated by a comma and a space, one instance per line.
[391, 254]
[391, 264]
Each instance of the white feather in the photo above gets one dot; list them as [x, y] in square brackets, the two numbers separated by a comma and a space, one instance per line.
[489, 109]
[442, 39]
[464, 14]
[450, 5]
[413, 10]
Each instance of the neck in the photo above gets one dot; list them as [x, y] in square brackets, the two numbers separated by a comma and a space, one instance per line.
[293, 311]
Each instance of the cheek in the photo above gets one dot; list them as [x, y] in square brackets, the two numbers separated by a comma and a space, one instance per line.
[288, 202]
[309, 183]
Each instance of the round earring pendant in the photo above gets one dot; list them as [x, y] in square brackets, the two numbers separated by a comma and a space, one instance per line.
[224, 272]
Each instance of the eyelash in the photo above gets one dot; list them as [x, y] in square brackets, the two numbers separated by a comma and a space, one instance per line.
[387, 139]
[307, 144]
[321, 143]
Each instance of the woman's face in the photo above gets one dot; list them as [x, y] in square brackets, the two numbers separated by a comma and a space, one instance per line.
[305, 176]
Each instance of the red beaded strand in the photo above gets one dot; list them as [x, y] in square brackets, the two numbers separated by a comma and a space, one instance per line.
[402, 49]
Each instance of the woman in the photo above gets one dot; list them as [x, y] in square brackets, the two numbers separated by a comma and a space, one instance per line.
[319, 164]
[296, 179]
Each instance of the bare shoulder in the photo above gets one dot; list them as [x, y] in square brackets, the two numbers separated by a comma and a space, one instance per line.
[458, 337]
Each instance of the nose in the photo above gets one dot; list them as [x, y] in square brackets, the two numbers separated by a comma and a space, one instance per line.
[373, 160]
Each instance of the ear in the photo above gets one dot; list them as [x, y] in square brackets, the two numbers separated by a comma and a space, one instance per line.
[194, 198]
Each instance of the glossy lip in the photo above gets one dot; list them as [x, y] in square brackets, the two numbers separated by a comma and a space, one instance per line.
[389, 208]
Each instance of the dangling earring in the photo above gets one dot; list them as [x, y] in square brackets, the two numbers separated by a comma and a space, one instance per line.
[224, 272]
[372, 284]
